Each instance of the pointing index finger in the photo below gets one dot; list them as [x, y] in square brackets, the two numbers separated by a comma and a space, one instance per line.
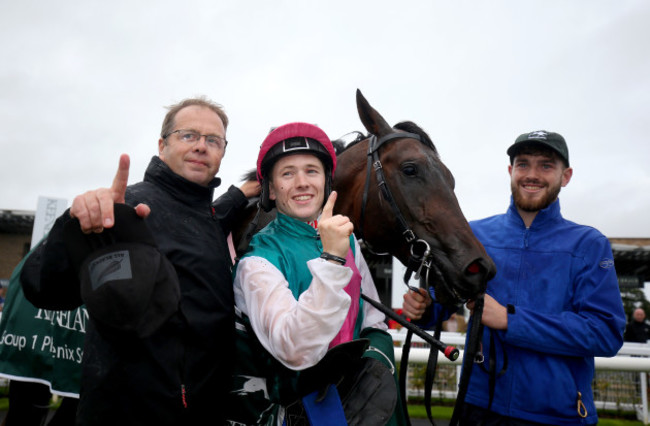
[329, 206]
[121, 179]
[117, 192]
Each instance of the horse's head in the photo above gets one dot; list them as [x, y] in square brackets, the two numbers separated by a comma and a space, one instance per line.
[423, 201]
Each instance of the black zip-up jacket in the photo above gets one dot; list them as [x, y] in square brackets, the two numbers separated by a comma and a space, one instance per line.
[180, 374]
[637, 332]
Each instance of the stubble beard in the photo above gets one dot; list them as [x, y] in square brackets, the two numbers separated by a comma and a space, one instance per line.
[532, 206]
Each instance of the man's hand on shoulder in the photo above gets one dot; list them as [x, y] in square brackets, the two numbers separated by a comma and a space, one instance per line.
[250, 188]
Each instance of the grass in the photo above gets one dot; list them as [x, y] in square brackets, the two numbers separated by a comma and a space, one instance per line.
[417, 411]
[4, 403]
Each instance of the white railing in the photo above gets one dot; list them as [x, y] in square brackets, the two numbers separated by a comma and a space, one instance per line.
[631, 357]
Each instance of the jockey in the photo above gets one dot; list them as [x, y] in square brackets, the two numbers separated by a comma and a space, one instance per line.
[302, 326]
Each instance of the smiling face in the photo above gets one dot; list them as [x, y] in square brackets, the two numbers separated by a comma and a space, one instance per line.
[197, 162]
[535, 181]
[297, 185]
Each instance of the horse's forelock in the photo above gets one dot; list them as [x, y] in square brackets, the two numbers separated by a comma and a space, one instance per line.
[411, 127]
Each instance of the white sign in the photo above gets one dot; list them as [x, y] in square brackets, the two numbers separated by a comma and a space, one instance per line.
[47, 211]
[399, 288]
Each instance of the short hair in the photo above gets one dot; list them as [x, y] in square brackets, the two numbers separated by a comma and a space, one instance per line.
[202, 101]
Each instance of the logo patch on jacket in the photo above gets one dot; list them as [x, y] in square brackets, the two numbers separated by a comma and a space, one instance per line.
[606, 263]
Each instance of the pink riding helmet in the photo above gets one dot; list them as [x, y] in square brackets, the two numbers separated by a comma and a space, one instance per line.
[294, 138]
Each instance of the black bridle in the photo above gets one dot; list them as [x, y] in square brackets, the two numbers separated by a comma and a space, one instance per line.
[421, 256]
[375, 163]
[420, 262]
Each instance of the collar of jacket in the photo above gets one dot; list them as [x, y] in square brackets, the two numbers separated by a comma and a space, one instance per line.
[544, 217]
[179, 187]
[295, 227]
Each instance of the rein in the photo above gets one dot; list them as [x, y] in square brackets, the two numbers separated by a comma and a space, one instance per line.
[472, 355]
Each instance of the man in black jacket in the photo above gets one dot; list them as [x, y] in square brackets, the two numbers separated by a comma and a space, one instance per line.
[173, 370]
[637, 329]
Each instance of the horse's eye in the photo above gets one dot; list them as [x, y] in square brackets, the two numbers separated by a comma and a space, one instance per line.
[409, 169]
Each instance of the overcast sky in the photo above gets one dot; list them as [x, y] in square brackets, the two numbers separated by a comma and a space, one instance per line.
[83, 82]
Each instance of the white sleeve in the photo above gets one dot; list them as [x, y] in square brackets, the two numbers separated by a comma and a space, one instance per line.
[295, 332]
[371, 316]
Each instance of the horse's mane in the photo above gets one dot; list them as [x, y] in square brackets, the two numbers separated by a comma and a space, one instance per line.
[250, 175]
[339, 146]
[342, 144]
[407, 126]
[411, 127]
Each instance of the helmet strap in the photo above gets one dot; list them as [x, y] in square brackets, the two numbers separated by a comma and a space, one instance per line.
[265, 202]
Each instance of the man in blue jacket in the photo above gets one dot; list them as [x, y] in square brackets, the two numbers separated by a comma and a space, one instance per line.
[552, 307]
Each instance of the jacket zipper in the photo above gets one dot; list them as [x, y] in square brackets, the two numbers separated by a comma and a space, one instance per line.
[526, 235]
[182, 376]
[183, 395]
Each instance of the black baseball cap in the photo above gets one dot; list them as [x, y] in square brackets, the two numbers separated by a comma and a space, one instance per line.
[127, 284]
[551, 140]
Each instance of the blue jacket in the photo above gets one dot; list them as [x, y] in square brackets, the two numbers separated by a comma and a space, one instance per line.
[560, 279]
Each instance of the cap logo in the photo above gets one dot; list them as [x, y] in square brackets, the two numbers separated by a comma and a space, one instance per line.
[109, 267]
[540, 134]
[295, 144]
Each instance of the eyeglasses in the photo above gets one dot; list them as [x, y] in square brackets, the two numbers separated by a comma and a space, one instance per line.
[190, 136]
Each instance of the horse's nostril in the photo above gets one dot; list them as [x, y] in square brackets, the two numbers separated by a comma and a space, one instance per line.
[474, 268]
[481, 269]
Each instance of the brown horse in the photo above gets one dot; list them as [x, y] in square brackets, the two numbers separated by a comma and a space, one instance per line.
[406, 206]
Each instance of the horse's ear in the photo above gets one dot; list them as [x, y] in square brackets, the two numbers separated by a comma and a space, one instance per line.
[371, 119]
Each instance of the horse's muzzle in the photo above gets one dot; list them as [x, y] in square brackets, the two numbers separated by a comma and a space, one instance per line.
[476, 275]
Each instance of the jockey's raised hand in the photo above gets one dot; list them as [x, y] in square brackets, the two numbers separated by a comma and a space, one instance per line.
[335, 230]
[94, 209]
